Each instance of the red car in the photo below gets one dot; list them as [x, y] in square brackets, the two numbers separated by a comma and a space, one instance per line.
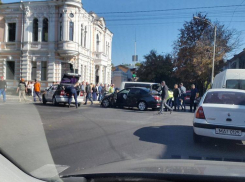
[187, 97]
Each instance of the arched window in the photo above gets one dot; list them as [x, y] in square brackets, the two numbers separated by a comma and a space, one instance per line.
[85, 36]
[35, 30]
[45, 30]
[71, 31]
[82, 35]
[97, 43]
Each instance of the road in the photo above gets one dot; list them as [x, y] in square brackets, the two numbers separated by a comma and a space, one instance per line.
[91, 136]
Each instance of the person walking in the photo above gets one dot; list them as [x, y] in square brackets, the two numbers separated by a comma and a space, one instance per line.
[37, 90]
[72, 91]
[88, 93]
[3, 88]
[183, 95]
[94, 89]
[176, 96]
[164, 95]
[100, 91]
[29, 88]
[194, 94]
[82, 89]
[111, 89]
[22, 89]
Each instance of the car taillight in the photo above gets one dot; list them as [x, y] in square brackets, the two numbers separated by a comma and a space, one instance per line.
[81, 93]
[62, 92]
[200, 113]
[157, 98]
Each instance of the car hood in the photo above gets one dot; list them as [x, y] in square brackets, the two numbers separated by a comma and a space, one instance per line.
[171, 166]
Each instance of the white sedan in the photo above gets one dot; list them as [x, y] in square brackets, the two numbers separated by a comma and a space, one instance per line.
[220, 114]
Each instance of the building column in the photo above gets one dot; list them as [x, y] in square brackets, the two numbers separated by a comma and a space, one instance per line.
[51, 31]
[40, 26]
[100, 74]
[38, 76]
[65, 26]
[51, 69]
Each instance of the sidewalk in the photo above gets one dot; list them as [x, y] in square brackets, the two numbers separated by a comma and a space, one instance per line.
[15, 98]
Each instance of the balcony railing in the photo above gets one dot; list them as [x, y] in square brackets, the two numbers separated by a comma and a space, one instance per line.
[10, 46]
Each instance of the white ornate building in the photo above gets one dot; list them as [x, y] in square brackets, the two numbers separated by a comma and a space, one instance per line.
[44, 39]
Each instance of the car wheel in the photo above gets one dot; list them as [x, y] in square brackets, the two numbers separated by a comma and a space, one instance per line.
[54, 101]
[197, 138]
[44, 100]
[142, 106]
[105, 103]
[154, 109]
[79, 104]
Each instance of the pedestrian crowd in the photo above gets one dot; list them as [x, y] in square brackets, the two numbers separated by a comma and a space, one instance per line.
[177, 98]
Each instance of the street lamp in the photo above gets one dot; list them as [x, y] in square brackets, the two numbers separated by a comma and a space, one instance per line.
[215, 28]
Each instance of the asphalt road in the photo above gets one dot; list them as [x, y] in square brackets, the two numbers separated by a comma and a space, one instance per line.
[91, 136]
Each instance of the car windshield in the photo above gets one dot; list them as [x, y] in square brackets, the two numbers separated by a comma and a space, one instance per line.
[232, 98]
[116, 86]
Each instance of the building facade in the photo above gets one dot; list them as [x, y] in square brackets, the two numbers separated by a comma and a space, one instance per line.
[237, 62]
[121, 74]
[44, 39]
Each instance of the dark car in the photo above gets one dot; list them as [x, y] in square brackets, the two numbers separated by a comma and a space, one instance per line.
[142, 98]
[187, 97]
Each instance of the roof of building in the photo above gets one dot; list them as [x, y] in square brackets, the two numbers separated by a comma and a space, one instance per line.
[237, 56]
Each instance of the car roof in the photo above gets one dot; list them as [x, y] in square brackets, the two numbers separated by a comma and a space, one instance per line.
[142, 82]
[225, 90]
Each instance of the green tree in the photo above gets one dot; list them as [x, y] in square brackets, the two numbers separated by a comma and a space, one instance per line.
[193, 51]
[138, 64]
[156, 68]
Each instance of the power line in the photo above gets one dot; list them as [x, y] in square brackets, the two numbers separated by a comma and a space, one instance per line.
[175, 9]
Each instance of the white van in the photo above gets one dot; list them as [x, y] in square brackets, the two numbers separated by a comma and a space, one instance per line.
[151, 86]
[230, 78]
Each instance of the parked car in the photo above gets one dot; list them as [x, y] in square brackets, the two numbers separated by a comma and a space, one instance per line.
[230, 78]
[149, 85]
[220, 114]
[56, 93]
[187, 97]
[142, 98]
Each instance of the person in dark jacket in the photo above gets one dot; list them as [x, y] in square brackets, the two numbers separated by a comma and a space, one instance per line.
[176, 97]
[194, 94]
[72, 91]
[164, 95]
[88, 93]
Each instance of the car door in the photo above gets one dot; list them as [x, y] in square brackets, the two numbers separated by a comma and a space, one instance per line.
[133, 97]
[122, 97]
[51, 92]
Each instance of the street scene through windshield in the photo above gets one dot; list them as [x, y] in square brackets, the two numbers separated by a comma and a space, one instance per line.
[122, 84]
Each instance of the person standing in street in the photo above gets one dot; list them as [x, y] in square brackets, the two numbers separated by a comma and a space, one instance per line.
[183, 95]
[88, 93]
[29, 88]
[176, 97]
[111, 89]
[82, 88]
[100, 91]
[22, 89]
[194, 94]
[72, 91]
[37, 90]
[164, 95]
[94, 89]
[3, 88]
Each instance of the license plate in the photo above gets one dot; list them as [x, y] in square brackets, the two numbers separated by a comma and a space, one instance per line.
[228, 132]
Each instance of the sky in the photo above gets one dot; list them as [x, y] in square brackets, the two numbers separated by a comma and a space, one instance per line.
[158, 28]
